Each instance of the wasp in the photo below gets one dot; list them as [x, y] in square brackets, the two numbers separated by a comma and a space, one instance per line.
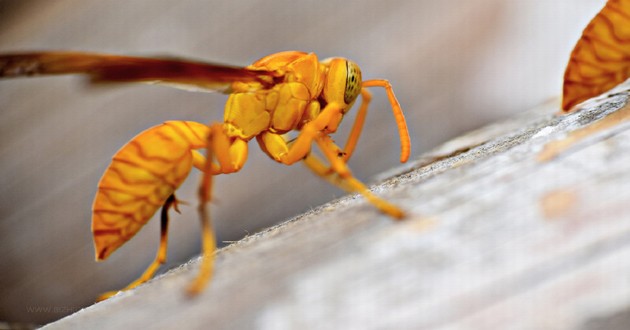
[280, 93]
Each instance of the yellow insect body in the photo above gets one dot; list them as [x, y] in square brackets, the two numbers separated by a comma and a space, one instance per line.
[142, 176]
[283, 92]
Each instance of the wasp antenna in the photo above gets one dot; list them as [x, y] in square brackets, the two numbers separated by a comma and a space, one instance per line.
[403, 132]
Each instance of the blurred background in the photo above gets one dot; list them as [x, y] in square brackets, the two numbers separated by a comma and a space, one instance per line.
[454, 64]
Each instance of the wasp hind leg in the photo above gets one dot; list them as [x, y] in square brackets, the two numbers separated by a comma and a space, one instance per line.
[160, 258]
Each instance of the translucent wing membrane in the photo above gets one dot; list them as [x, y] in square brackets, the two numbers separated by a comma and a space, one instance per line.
[178, 73]
[601, 58]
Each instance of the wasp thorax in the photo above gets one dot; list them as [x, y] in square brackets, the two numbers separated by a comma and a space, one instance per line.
[343, 81]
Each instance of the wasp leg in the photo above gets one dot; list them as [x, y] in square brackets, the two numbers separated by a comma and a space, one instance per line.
[208, 240]
[351, 143]
[357, 127]
[337, 173]
[403, 132]
[278, 149]
[160, 258]
[342, 177]
[317, 166]
[230, 154]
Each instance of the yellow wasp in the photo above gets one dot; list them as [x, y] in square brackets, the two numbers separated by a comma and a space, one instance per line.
[280, 93]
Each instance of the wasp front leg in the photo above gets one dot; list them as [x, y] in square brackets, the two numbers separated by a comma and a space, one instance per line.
[357, 127]
[353, 138]
[277, 148]
[337, 173]
[342, 177]
[225, 155]
[317, 131]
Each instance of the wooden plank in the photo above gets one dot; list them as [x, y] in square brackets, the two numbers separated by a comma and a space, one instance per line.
[496, 239]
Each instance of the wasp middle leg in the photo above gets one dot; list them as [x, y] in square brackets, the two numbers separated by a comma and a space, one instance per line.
[224, 155]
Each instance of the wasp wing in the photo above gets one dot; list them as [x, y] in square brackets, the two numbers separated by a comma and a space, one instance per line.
[601, 58]
[104, 68]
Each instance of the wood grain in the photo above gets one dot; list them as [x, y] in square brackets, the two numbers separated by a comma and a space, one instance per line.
[481, 250]
[454, 65]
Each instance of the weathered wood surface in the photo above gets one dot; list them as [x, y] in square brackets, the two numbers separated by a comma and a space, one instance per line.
[455, 65]
[57, 137]
[497, 238]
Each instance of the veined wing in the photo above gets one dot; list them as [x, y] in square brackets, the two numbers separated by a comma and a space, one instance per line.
[104, 68]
